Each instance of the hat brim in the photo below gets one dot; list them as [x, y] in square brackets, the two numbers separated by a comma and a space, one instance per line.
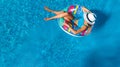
[86, 19]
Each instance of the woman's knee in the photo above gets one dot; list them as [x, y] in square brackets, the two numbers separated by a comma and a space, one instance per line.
[66, 18]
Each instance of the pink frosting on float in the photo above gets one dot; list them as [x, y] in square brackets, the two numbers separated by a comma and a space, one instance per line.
[65, 27]
[70, 9]
[83, 33]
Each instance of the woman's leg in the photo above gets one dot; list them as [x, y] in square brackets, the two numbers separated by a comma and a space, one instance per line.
[68, 19]
[55, 12]
[57, 16]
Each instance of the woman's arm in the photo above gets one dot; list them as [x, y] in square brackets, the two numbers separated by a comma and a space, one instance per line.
[85, 9]
[76, 31]
[89, 30]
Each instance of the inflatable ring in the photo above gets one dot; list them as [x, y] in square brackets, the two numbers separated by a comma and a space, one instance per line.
[77, 13]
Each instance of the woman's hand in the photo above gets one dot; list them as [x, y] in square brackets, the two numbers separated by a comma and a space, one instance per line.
[89, 30]
[66, 24]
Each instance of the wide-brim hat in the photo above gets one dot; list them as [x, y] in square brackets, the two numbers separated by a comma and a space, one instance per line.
[90, 18]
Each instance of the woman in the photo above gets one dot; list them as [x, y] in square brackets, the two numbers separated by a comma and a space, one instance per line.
[89, 19]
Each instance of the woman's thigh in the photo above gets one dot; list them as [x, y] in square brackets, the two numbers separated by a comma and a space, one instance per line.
[68, 18]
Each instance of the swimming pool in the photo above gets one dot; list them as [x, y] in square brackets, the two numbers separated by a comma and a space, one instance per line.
[26, 40]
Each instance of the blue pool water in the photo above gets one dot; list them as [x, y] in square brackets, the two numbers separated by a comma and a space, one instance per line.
[26, 40]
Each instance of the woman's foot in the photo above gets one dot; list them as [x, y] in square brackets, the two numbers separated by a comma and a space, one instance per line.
[47, 9]
[46, 19]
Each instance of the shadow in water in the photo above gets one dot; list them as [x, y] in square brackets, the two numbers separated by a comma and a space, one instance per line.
[101, 61]
[104, 58]
[101, 19]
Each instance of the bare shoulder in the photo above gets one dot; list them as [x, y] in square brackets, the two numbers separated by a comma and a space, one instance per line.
[85, 9]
